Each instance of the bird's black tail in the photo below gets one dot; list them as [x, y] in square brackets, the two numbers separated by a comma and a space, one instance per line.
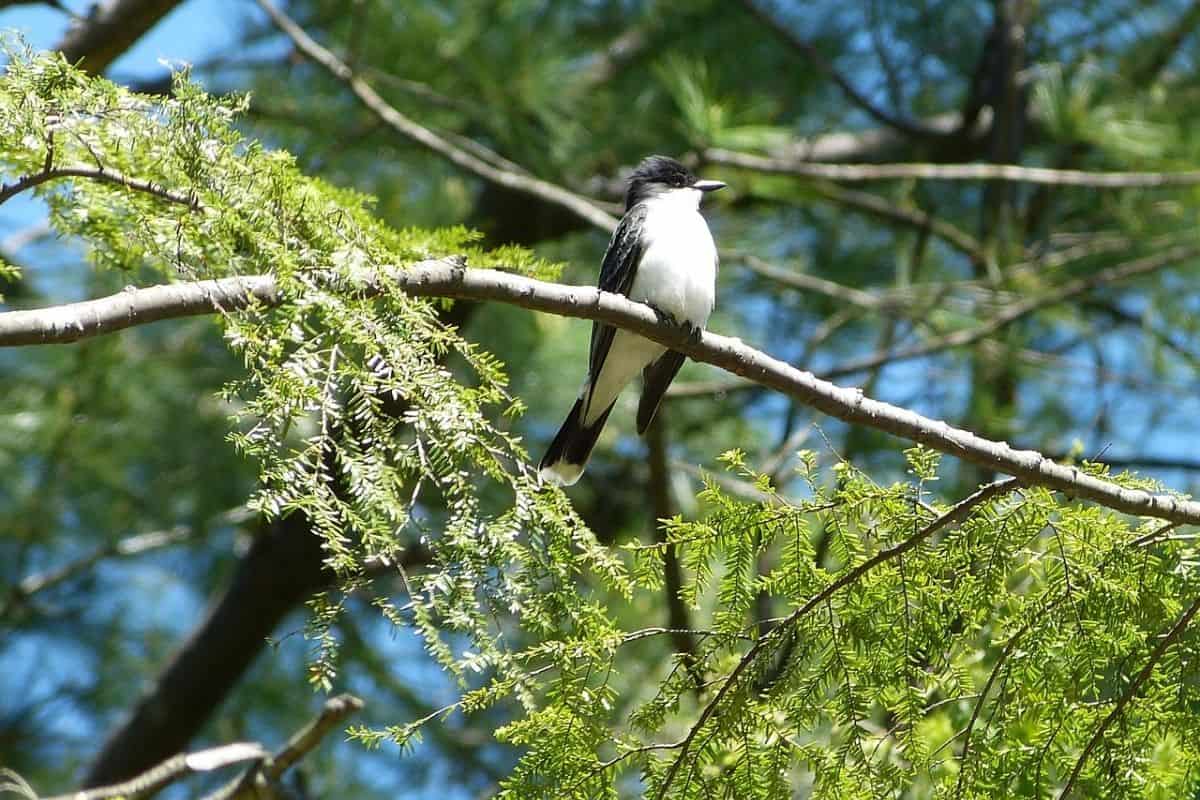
[572, 446]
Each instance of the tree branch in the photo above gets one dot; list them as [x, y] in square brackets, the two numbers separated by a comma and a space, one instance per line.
[876, 144]
[248, 786]
[805, 282]
[1167, 640]
[109, 30]
[270, 767]
[907, 127]
[959, 512]
[74, 321]
[448, 278]
[130, 546]
[914, 218]
[285, 564]
[26, 182]
[951, 172]
[589, 210]
[1017, 311]
[171, 770]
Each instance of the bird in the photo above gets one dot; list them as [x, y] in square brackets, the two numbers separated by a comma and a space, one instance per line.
[661, 254]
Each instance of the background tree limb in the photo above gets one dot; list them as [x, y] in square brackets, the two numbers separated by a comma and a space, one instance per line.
[109, 30]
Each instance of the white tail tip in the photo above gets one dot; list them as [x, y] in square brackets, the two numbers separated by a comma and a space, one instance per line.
[560, 473]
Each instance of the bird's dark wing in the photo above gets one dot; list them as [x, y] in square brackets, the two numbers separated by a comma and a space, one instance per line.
[616, 276]
[655, 379]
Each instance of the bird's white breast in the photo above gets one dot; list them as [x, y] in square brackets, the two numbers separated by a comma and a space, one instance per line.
[678, 271]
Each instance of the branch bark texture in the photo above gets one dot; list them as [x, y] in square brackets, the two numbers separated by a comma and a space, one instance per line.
[447, 278]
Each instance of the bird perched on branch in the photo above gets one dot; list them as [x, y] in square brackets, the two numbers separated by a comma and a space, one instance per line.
[663, 255]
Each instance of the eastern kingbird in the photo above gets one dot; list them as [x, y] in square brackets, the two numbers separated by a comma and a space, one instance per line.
[661, 254]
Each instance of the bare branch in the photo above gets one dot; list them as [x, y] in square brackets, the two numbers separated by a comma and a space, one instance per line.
[719, 386]
[951, 172]
[69, 323]
[335, 710]
[914, 218]
[25, 237]
[171, 770]
[808, 283]
[448, 278]
[875, 144]
[589, 210]
[1167, 640]
[269, 768]
[123, 548]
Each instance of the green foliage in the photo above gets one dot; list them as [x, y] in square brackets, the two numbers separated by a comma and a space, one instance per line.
[976, 664]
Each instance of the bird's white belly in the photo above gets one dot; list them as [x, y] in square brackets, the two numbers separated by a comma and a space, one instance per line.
[677, 275]
[678, 272]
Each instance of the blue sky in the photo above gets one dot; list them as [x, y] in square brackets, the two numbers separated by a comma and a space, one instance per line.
[192, 32]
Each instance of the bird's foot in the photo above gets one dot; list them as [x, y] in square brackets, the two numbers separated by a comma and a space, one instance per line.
[664, 317]
[692, 332]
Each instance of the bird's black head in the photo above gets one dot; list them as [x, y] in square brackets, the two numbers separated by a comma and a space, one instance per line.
[659, 173]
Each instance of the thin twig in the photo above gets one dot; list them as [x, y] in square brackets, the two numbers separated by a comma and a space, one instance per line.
[592, 211]
[959, 512]
[130, 546]
[818, 59]
[1017, 311]
[1176, 631]
[987, 688]
[806, 282]
[887, 210]
[846, 173]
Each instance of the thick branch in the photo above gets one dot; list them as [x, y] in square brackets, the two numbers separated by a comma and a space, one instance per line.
[951, 172]
[450, 279]
[109, 30]
[131, 307]
[282, 568]
[587, 209]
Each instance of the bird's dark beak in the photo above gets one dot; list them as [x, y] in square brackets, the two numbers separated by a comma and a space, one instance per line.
[708, 186]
